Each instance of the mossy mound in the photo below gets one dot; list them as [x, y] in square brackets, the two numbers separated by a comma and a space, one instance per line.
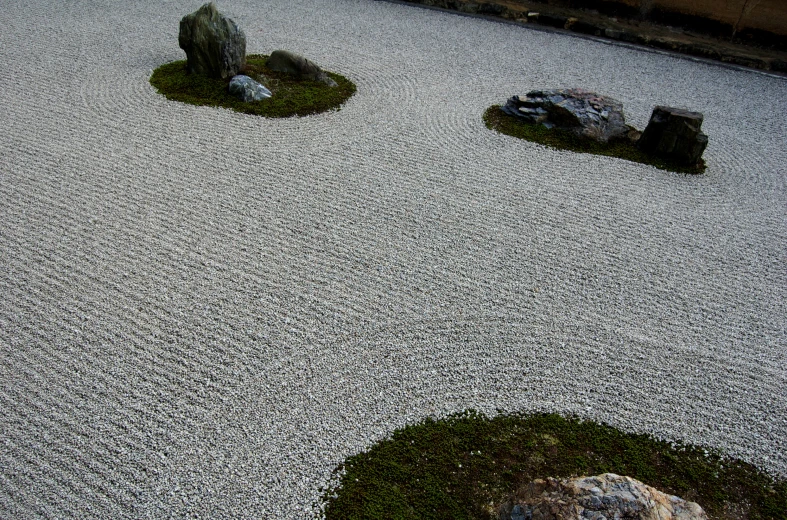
[464, 466]
[496, 119]
[291, 97]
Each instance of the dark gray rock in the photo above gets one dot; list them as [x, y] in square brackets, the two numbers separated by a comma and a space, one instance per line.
[298, 66]
[674, 134]
[247, 89]
[215, 46]
[584, 113]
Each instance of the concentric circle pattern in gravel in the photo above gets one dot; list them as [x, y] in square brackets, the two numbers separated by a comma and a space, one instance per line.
[204, 312]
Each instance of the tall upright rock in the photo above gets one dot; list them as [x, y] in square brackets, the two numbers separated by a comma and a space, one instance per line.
[674, 134]
[215, 46]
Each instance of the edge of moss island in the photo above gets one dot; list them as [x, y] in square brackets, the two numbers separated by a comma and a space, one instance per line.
[291, 97]
[496, 119]
[466, 465]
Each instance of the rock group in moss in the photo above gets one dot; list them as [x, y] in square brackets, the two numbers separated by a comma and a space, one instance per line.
[291, 96]
[464, 467]
[496, 119]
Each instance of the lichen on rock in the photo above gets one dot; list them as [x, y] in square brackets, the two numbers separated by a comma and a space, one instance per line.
[600, 497]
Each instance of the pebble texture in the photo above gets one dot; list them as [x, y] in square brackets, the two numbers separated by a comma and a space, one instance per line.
[204, 312]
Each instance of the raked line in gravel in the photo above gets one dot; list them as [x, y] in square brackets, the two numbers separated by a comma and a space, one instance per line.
[204, 312]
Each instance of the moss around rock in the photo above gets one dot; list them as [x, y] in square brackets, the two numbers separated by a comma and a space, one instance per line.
[291, 97]
[497, 120]
[467, 465]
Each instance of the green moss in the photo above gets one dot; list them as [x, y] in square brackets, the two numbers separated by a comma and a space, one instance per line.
[462, 467]
[290, 96]
[498, 120]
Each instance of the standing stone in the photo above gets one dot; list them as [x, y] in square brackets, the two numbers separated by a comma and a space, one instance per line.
[247, 89]
[215, 46]
[599, 497]
[674, 134]
[298, 67]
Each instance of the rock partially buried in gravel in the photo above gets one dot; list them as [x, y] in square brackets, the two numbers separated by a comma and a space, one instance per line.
[298, 66]
[215, 46]
[674, 134]
[602, 497]
[577, 110]
[247, 89]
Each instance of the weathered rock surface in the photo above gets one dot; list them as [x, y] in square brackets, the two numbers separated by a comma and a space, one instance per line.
[298, 66]
[577, 110]
[247, 89]
[674, 134]
[215, 46]
[603, 497]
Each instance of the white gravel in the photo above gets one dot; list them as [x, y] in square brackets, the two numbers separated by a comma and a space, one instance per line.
[204, 312]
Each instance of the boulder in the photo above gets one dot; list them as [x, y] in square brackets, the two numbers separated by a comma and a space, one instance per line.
[246, 89]
[601, 497]
[298, 66]
[215, 46]
[674, 134]
[584, 113]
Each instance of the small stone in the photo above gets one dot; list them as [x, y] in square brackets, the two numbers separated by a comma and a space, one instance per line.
[674, 134]
[247, 89]
[215, 46]
[518, 513]
[298, 66]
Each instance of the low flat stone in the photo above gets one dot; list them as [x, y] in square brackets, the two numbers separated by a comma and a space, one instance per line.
[246, 89]
[298, 66]
[600, 497]
[584, 113]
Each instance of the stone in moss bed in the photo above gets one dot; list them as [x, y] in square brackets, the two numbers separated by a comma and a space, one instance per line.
[496, 119]
[463, 466]
[290, 96]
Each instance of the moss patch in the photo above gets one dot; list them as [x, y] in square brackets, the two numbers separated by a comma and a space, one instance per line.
[462, 467]
[496, 119]
[291, 97]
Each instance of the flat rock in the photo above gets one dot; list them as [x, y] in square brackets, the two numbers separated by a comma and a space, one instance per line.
[247, 89]
[582, 112]
[602, 497]
[298, 66]
[215, 46]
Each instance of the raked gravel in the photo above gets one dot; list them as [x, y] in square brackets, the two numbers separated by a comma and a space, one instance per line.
[202, 313]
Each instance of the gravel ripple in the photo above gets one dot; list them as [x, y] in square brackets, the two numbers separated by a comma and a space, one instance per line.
[204, 312]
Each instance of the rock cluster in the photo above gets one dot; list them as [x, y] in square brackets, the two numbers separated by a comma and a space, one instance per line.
[246, 89]
[674, 134]
[215, 46]
[577, 110]
[298, 66]
[603, 497]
